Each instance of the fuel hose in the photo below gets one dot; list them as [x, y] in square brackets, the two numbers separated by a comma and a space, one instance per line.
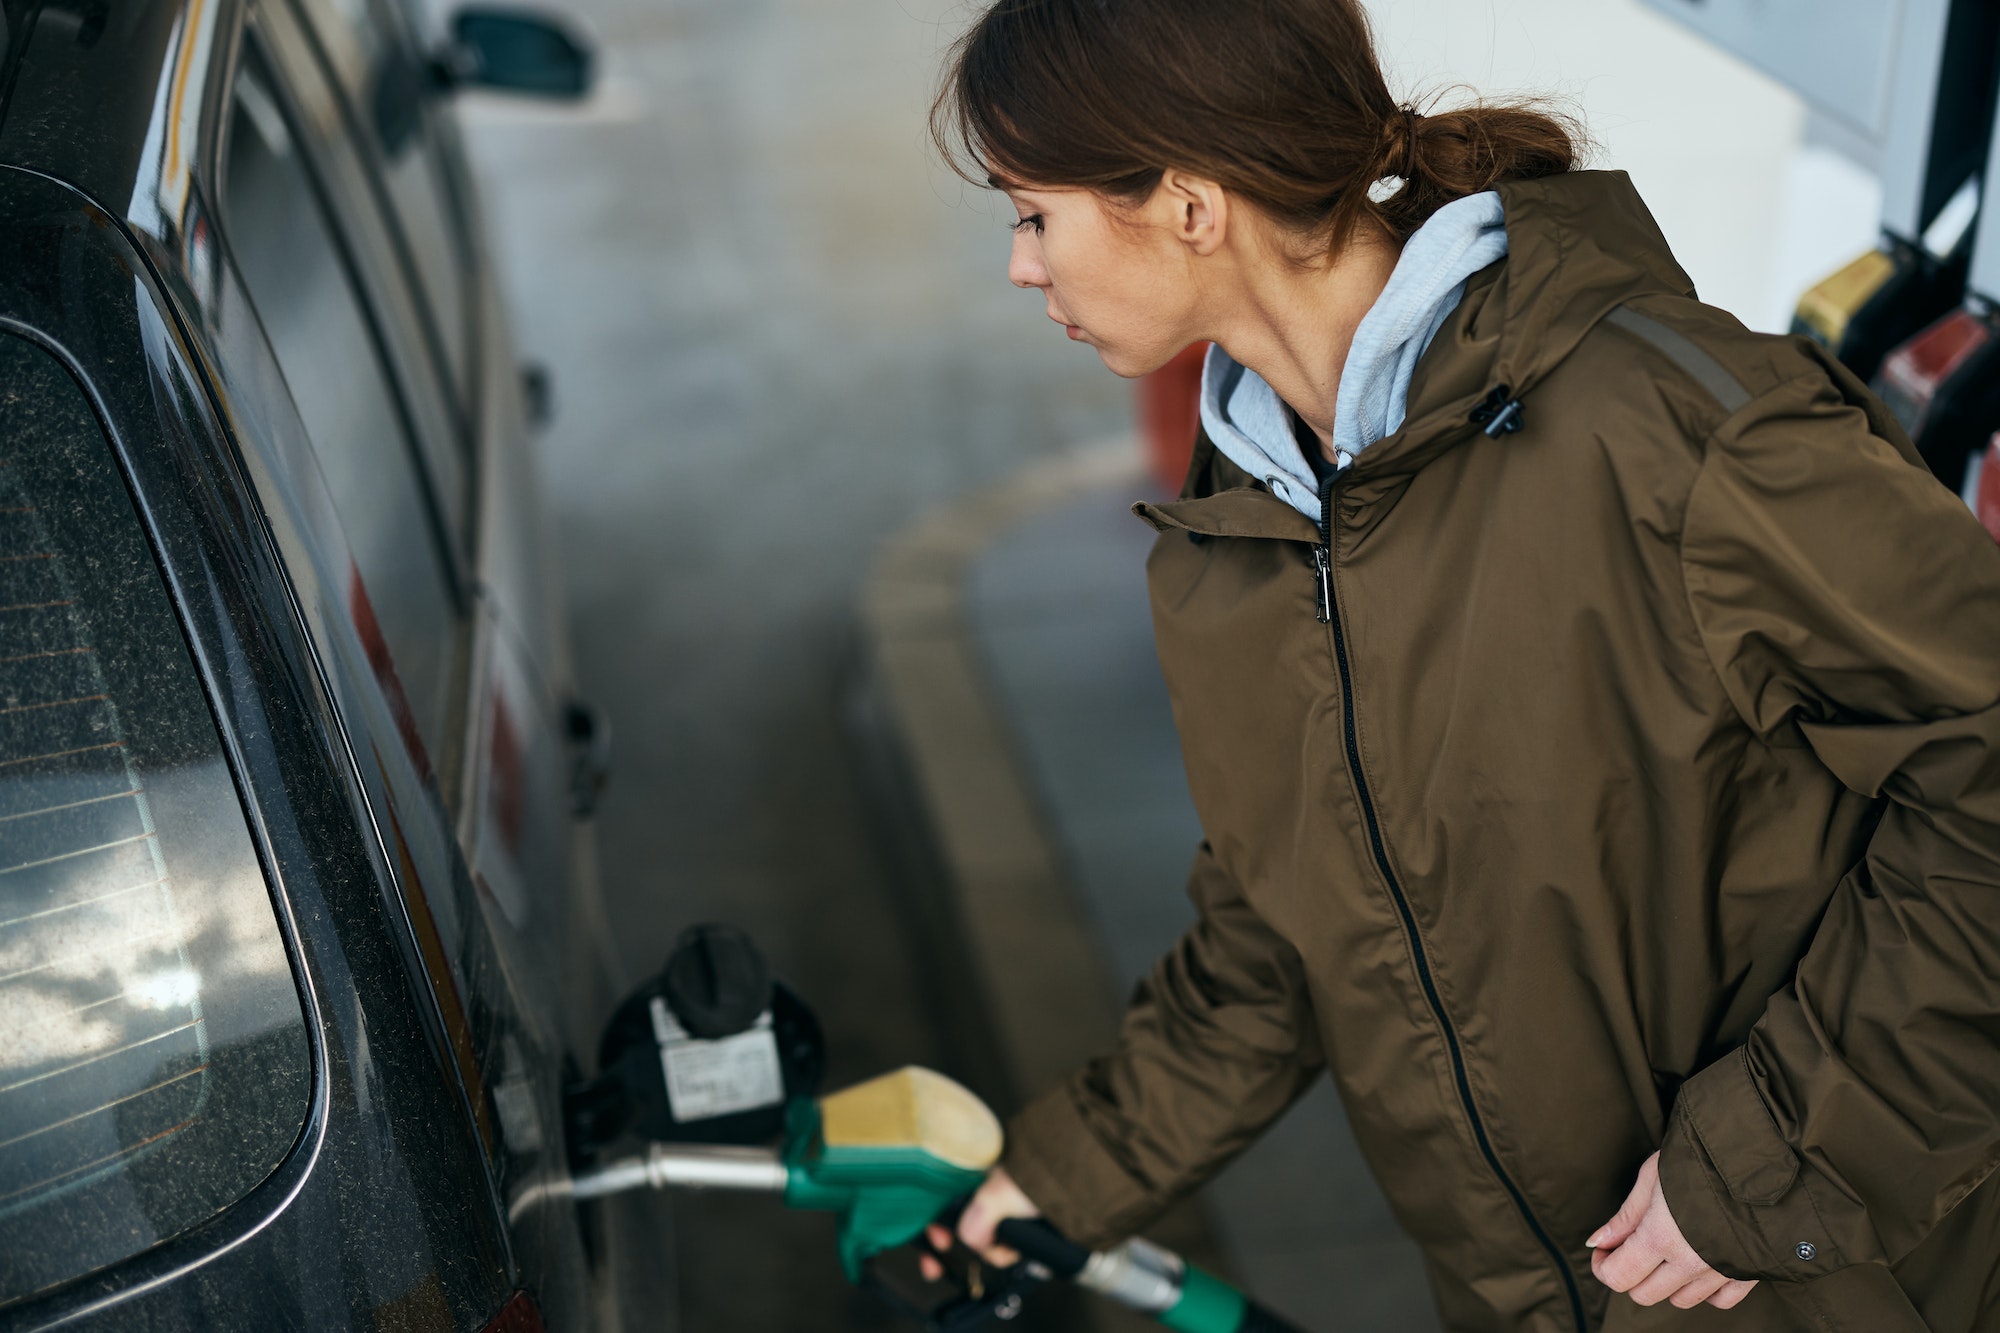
[1145, 1277]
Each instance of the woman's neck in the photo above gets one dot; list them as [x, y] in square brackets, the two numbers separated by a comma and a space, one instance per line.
[1294, 325]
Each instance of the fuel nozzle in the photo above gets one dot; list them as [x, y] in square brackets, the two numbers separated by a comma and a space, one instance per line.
[719, 1064]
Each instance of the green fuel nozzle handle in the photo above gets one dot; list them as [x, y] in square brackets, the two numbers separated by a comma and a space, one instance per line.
[890, 1156]
[1145, 1277]
[887, 1157]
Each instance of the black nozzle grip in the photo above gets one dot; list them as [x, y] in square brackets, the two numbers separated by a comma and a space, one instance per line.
[1036, 1239]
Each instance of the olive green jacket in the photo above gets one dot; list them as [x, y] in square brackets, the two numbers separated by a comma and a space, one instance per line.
[1641, 791]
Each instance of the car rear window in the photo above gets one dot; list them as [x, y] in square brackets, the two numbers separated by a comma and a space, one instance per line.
[153, 1060]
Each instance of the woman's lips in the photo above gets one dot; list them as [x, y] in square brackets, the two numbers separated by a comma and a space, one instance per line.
[1075, 333]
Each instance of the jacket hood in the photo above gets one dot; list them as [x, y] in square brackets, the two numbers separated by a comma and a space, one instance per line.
[1582, 245]
[1249, 423]
[1579, 246]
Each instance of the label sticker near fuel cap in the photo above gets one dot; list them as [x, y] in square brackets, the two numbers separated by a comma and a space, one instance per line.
[706, 1079]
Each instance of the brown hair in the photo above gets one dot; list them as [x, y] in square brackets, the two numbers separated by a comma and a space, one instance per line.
[1281, 101]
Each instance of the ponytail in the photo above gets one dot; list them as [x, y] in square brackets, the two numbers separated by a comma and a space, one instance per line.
[1452, 154]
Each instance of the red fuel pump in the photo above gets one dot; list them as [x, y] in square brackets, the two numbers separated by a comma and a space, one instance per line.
[1986, 488]
[1879, 299]
[1934, 131]
[1944, 386]
[1170, 415]
[1861, 311]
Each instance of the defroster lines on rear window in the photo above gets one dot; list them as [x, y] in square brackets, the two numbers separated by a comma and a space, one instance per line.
[153, 1065]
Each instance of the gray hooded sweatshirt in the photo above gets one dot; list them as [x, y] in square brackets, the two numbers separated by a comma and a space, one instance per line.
[1250, 424]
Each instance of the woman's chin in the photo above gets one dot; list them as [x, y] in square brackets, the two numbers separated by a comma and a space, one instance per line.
[1120, 364]
[1120, 361]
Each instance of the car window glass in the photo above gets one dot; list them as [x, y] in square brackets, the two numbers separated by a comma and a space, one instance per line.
[153, 1059]
[401, 122]
[372, 48]
[305, 298]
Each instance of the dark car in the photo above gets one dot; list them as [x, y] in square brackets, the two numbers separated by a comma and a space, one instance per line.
[290, 770]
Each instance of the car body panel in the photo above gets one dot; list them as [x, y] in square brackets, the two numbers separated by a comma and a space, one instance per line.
[386, 1158]
[428, 899]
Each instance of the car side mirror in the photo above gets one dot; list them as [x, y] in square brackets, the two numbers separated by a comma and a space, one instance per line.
[713, 1049]
[517, 51]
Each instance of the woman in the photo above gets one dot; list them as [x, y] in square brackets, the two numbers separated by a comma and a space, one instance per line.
[1591, 705]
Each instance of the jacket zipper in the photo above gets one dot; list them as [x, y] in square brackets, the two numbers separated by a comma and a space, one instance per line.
[1329, 615]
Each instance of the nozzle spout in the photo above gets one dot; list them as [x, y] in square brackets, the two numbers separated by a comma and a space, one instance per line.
[689, 1166]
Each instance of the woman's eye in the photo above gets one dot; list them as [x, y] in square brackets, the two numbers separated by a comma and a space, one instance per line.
[1032, 220]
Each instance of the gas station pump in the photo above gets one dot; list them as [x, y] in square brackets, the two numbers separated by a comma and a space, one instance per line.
[1944, 383]
[1863, 308]
[1935, 132]
[1919, 315]
[1982, 486]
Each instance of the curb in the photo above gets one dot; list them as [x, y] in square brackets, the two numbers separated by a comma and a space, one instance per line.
[1020, 937]
[1032, 949]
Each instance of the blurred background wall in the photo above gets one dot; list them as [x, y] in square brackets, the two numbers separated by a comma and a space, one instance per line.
[1754, 200]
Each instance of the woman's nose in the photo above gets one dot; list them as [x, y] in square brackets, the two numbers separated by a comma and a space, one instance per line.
[1024, 265]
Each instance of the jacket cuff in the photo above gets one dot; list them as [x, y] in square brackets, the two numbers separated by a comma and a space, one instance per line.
[1067, 1173]
[1735, 1186]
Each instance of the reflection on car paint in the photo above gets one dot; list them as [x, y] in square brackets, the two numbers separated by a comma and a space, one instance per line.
[173, 135]
[361, 614]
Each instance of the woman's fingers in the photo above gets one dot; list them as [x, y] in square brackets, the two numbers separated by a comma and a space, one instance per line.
[1631, 1264]
[1665, 1282]
[1731, 1294]
[997, 1199]
[1642, 1253]
[940, 1240]
[1626, 1220]
[976, 1230]
[1699, 1291]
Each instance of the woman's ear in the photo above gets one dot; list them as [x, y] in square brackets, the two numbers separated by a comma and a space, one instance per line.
[1195, 209]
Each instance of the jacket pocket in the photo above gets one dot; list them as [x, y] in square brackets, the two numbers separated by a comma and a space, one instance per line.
[1748, 1152]
[1739, 1191]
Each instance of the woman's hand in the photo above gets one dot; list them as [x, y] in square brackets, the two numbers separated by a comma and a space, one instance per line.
[996, 1201]
[1641, 1251]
